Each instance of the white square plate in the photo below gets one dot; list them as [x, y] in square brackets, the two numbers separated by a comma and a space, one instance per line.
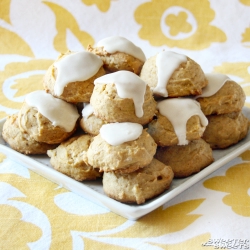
[92, 190]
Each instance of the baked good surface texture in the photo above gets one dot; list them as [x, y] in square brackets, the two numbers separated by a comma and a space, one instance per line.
[118, 53]
[178, 121]
[124, 158]
[226, 130]
[188, 159]
[139, 186]
[77, 88]
[50, 125]
[111, 106]
[68, 158]
[229, 98]
[174, 75]
[22, 141]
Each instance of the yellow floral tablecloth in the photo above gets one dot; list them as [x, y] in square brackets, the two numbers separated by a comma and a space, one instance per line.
[38, 214]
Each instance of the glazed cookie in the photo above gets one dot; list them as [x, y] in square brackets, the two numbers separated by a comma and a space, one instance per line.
[123, 97]
[121, 147]
[46, 118]
[221, 95]
[89, 122]
[139, 186]
[188, 159]
[21, 141]
[68, 158]
[178, 121]
[118, 53]
[173, 75]
[71, 77]
[226, 130]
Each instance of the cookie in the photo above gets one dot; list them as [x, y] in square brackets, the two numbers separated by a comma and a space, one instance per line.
[71, 77]
[123, 97]
[178, 121]
[139, 186]
[68, 158]
[118, 53]
[89, 122]
[187, 159]
[221, 96]
[170, 74]
[121, 147]
[21, 141]
[46, 118]
[226, 130]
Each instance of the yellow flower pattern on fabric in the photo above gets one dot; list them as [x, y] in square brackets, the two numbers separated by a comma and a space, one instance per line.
[2, 157]
[11, 43]
[193, 243]
[23, 85]
[178, 23]
[166, 28]
[246, 37]
[245, 156]
[102, 5]
[236, 184]
[5, 10]
[246, 2]
[61, 239]
[24, 232]
[93, 244]
[175, 218]
[65, 20]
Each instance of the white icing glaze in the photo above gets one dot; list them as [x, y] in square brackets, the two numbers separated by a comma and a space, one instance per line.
[59, 112]
[128, 85]
[215, 83]
[74, 67]
[117, 133]
[120, 44]
[178, 111]
[87, 111]
[167, 62]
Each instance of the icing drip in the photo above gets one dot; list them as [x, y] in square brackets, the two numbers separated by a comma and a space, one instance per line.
[128, 85]
[59, 112]
[178, 111]
[78, 66]
[215, 83]
[116, 43]
[117, 133]
[167, 62]
[87, 111]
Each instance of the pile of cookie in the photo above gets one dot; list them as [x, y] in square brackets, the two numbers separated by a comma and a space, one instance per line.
[137, 123]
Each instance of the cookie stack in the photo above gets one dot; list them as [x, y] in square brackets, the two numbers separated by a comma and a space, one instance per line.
[123, 150]
[109, 113]
[179, 123]
[222, 102]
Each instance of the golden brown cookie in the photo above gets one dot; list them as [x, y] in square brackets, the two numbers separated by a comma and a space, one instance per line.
[229, 98]
[89, 122]
[163, 132]
[177, 121]
[46, 118]
[118, 53]
[188, 159]
[226, 130]
[110, 107]
[21, 141]
[68, 158]
[139, 186]
[184, 79]
[76, 88]
[124, 158]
